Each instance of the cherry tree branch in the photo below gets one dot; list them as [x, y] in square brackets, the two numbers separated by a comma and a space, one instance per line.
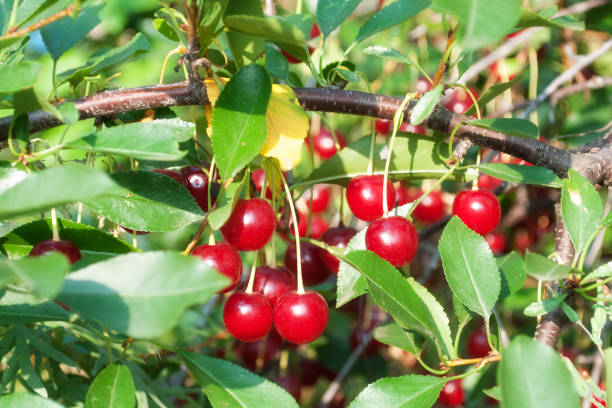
[14, 33]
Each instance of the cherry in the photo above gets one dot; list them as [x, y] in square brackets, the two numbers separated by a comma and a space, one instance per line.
[459, 100]
[250, 226]
[265, 349]
[272, 282]
[407, 195]
[364, 196]
[321, 197]
[383, 126]
[318, 225]
[523, 239]
[301, 318]
[478, 209]
[324, 144]
[407, 127]
[422, 85]
[64, 247]
[178, 177]
[394, 239]
[247, 316]
[337, 237]
[497, 241]
[196, 182]
[313, 271]
[452, 394]
[291, 384]
[430, 209]
[314, 32]
[131, 231]
[224, 259]
[258, 176]
[477, 344]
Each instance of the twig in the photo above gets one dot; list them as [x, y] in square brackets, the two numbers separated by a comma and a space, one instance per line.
[24, 31]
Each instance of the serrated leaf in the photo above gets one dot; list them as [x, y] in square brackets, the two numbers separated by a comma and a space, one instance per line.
[113, 387]
[393, 335]
[469, 267]
[226, 204]
[408, 391]
[41, 275]
[230, 386]
[391, 15]
[147, 201]
[239, 122]
[491, 93]
[542, 268]
[510, 126]
[385, 52]
[350, 283]
[425, 105]
[522, 174]
[140, 294]
[24, 399]
[410, 304]
[331, 13]
[512, 273]
[18, 308]
[544, 306]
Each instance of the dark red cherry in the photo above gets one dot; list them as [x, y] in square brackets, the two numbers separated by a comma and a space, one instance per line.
[383, 126]
[196, 182]
[452, 394]
[407, 127]
[477, 343]
[478, 209]
[321, 197]
[313, 271]
[178, 177]
[337, 237]
[364, 196]
[224, 258]
[523, 239]
[497, 241]
[430, 209]
[273, 281]
[64, 247]
[324, 144]
[131, 231]
[250, 226]
[301, 318]
[265, 349]
[291, 384]
[248, 317]
[394, 239]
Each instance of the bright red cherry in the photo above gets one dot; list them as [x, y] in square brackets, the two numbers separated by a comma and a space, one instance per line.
[178, 177]
[452, 394]
[196, 182]
[324, 144]
[477, 343]
[321, 197]
[313, 271]
[478, 209]
[337, 237]
[407, 127]
[273, 281]
[291, 384]
[247, 316]
[394, 239]
[430, 209]
[224, 258]
[407, 195]
[364, 195]
[314, 32]
[383, 126]
[265, 349]
[64, 247]
[459, 100]
[301, 318]
[250, 226]
[497, 241]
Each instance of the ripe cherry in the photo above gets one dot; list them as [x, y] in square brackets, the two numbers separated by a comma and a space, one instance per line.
[318, 225]
[407, 127]
[394, 239]
[497, 241]
[273, 281]
[452, 394]
[324, 143]
[337, 237]
[258, 176]
[247, 316]
[406, 194]
[265, 349]
[430, 209]
[383, 126]
[321, 197]
[250, 226]
[301, 318]
[225, 259]
[314, 33]
[478, 209]
[196, 182]
[64, 247]
[313, 271]
[364, 196]
[178, 177]
[459, 100]
[523, 239]
[477, 343]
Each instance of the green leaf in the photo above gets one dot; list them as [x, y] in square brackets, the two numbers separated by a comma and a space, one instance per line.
[522, 174]
[531, 19]
[493, 392]
[156, 140]
[141, 294]
[147, 201]
[53, 187]
[18, 308]
[414, 157]
[210, 21]
[239, 119]
[113, 387]
[165, 29]
[245, 49]
[331, 13]
[581, 208]
[24, 399]
[228, 385]
[481, 22]
[410, 304]
[491, 93]
[425, 105]
[469, 267]
[28, 373]
[393, 335]
[510, 126]
[391, 15]
[61, 35]
[226, 204]
[602, 272]
[571, 314]
[408, 391]
[350, 283]
[47, 349]
[543, 307]
[512, 273]
[276, 63]
[532, 375]
[385, 52]
[542, 268]
[19, 76]
[599, 319]
[41, 275]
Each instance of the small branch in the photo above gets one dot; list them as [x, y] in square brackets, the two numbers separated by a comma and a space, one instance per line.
[25, 31]
[443, 65]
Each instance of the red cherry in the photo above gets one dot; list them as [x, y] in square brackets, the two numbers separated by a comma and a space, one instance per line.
[407, 127]
[265, 349]
[422, 85]
[459, 100]
[321, 197]
[301, 318]
[497, 241]
[383, 126]
[64, 247]
[523, 239]
[407, 195]
[250, 226]
[318, 225]
[452, 394]
[313, 271]
[364, 196]
[430, 209]
[224, 259]
[314, 32]
[291, 384]
[324, 144]
[258, 176]
[477, 344]
[196, 182]
[488, 182]
[178, 177]
[248, 317]
[337, 237]
[273, 281]
[478, 209]
[394, 239]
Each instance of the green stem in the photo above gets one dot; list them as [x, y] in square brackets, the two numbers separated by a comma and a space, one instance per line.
[430, 369]
[54, 78]
[595, 285]
[489, 339]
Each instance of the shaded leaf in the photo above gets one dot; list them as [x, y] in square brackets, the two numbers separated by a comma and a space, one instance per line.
[41, 275]
[522, 174]
[331, 13]
[512, 273]
[393, 335]
[545, 306]
[226, 204]
[491, 93]
[18, 76]
[24, 399]
[510, 126]
[540, 267]
[385, 52]
[18, 308]
[532, 19]
[425, 105]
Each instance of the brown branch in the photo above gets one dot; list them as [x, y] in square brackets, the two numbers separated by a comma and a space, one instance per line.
[444, 59]
[46, 21]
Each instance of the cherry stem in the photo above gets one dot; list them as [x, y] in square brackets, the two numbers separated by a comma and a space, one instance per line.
[283, 362]
[134, 239]
[370, 169]
[475, 182]
[249, 288]
[197, 235]
[432, 188]
[298, 252]
[56, 236]
[79, 212]
[210, 181]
